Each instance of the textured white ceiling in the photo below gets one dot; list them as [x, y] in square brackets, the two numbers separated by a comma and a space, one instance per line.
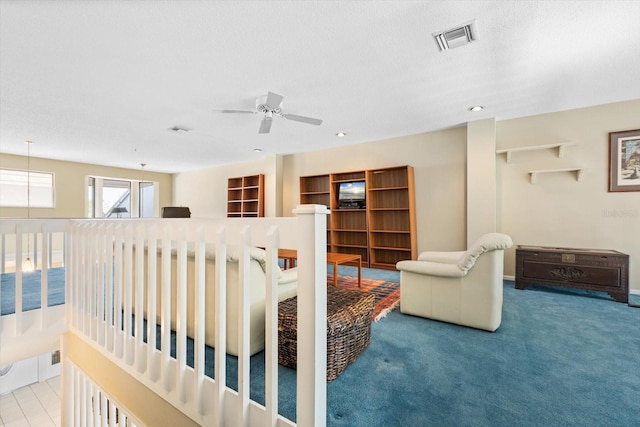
[102, 82]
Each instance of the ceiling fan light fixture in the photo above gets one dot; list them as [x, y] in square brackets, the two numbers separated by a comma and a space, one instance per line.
[456, 36]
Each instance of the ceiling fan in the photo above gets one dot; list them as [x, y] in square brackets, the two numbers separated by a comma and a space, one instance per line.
[270, 106]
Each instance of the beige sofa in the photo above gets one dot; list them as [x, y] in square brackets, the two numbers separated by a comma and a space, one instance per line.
[287, 284]
[463, 287]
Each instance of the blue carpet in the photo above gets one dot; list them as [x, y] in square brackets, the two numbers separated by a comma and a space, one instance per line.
[31, 290]
[559, 359]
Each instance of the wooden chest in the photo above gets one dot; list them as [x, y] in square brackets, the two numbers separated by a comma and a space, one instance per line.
[589, 269]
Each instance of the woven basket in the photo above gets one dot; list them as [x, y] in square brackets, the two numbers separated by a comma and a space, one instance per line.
[349, 315]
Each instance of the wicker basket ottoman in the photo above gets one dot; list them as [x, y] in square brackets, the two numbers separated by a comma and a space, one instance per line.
[349, 316]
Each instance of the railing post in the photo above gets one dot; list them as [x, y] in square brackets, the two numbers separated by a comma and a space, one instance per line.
[312, 323]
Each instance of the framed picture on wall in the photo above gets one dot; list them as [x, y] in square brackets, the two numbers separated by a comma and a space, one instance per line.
[624, 160]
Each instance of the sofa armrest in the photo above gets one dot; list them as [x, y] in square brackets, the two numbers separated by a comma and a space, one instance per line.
[431, 268]
[289, 275]
[443, 257]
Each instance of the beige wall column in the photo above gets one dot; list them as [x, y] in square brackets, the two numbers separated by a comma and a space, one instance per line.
[273, 185]
[481, 178]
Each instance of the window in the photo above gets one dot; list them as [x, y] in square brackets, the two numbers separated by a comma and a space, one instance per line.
[120, 198]
[147, 200]
[18, 185]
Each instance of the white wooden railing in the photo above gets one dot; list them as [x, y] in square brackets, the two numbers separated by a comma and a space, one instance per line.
[103, 268]
[23, 333]
[90, 405]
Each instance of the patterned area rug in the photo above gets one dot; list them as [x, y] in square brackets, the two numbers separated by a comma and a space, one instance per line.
[387, 293]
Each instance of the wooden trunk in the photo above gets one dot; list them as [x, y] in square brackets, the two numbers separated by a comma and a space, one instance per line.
[588, 269]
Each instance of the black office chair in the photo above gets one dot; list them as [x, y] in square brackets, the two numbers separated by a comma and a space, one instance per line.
[176, 212]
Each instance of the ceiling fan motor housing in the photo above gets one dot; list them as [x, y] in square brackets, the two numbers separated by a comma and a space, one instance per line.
[263, 107]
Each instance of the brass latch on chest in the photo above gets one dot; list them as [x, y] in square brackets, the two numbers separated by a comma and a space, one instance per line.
[569, 258]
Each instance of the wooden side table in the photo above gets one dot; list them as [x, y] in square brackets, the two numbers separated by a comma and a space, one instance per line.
[290, 256]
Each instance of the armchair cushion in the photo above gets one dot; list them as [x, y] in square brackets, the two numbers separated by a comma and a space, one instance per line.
[488, 242]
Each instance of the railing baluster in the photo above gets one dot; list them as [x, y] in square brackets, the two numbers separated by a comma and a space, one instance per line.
[44, 278]
[181, 313]
[128, 293]
[165, 327]
[117, 302]
[110, 307]
[152, 301]
[139, 298]
[200, 316]
[221, 326]
[101, 284]
[18, 291]
[271, 328]
[243, 327]
[93, 283]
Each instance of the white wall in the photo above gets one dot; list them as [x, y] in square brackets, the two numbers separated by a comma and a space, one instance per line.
[439, 161]
[558, 210]
[204, 191]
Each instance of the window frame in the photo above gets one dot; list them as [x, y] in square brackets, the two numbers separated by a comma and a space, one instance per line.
[25, 189]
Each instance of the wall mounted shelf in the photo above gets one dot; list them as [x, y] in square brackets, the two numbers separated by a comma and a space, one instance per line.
[560, 146]
[578, 171]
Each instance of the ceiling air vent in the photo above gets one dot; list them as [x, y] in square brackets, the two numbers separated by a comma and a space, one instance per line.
[457, 36]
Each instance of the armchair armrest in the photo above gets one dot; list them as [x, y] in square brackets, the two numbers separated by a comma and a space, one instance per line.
[443, 257]
[287, 276]
[431, 268]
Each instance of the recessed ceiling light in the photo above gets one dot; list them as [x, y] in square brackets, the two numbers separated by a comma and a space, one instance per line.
[257, 150]
[476, 108]
[341, 134]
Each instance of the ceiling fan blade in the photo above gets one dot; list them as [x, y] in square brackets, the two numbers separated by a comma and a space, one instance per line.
[274, 100]
[302, 119]
[265, 125]
[237, 111]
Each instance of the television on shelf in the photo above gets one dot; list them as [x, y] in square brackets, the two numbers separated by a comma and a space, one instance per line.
[352, 195]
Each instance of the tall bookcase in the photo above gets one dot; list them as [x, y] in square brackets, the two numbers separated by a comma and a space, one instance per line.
[384, 231]
[245, 197]
[349, 233]
[316, 190]
[391, 216]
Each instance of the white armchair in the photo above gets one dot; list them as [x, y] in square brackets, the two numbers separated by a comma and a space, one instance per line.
[457, 287]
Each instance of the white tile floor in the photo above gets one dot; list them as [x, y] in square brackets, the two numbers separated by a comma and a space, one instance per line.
[34, 405]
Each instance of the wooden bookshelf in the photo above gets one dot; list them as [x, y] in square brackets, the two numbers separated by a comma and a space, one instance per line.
[383, 232]
[349, 231]
[245, 197]
[391, 216]
[316, 190]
